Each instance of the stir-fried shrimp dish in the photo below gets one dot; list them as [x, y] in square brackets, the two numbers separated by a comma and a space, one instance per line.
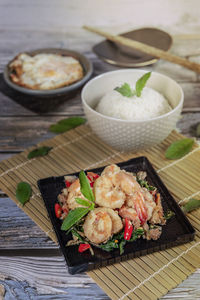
[108, 210]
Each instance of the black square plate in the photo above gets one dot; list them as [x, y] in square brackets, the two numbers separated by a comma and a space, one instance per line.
[178, 229]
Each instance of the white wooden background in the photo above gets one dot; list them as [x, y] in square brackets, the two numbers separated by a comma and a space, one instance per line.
[35, 269]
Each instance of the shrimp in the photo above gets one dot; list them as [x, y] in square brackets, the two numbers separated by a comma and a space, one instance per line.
[110, 170]
[101, 223]
[131, 214]
[149, 201]
[157, 215]
[116, 220]
[137, 202]
[126, 182]
[106, 193]
[73, 193]
[98, 226]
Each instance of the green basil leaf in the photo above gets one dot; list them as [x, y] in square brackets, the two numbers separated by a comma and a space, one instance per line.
[73, 217]
[198, 130]
[179, 148]
[23, 192]
[125, 90]
[85, 187]
[74, 232]
[169, 214]
[191, 205]
[67, 124]
[42, 151]
[121, 246]
[140, 84]
[83, 202]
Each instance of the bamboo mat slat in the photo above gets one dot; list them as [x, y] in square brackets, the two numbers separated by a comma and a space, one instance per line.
[143, 278]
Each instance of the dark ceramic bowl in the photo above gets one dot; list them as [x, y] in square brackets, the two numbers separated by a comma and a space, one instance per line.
[86, 64]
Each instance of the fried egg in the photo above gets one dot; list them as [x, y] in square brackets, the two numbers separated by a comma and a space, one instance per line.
[45, 71]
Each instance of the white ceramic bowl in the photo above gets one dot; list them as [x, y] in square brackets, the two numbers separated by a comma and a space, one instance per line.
[131, 135]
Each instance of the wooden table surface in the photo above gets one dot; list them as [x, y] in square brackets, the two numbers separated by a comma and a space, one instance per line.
[31, 266]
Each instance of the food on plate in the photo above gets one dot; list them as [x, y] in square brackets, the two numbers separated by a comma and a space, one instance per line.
[110, 209]
[142, 103]
[45, 71]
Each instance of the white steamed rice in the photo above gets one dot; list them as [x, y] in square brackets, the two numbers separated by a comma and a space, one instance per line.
[149, 105]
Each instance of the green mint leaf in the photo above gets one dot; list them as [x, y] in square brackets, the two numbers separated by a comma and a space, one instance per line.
[125, 90]
[23, 192]
[83, 202]
[85, 187]
[42, 151]
[179, 148]
[190, 205]
[140, 84]
[67, 124]
[198, 130]
[73, 217]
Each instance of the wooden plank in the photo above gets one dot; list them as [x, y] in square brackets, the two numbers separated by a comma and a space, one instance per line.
[29, 131]
[54, 282]
[18, 231]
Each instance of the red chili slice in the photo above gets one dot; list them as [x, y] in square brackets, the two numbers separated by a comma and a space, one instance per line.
[128, 229]
[65, 210]
[83, 247]
[58, 210]
[67, 183]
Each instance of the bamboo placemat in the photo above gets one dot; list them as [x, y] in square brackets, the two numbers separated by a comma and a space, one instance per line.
[147, 277]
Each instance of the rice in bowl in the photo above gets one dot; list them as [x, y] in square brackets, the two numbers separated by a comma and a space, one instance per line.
[149, 105]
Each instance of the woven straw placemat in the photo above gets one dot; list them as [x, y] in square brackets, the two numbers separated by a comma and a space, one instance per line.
[147, 277]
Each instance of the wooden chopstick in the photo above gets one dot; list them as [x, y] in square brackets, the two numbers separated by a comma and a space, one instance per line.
[147, 49]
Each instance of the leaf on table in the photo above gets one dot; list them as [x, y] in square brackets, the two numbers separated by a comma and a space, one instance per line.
[198, 130]
[67, 124]
[190, 205]
[73, 217]
[140, 84]
[23, 192]
[41, 151]
[125, 90]
[85, 187]
[179, 148]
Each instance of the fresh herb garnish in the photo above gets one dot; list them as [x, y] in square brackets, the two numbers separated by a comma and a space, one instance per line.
[75, 233]
[190, 205]
[73, 217]
[144, 183]
[85, 203]
[127, 91]
[85, 187]
[140, 84]
[179, 148]
[118, 242]
[41, 151]
[168, 214]
[121, 246]
[67, 124]
[78, 213]
[23, 192]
